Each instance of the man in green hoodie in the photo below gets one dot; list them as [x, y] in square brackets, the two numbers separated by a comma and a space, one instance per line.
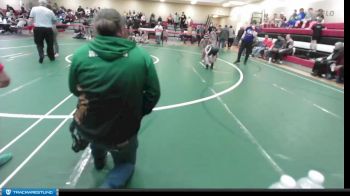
[117, 85]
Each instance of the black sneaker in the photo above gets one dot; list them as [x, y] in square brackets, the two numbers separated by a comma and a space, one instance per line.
[41, 60]
[212, 66]
[206, 66]
[100, 163]
[236, 62]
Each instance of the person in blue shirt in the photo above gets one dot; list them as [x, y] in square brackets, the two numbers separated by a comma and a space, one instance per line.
[300, 17]
[247, 43]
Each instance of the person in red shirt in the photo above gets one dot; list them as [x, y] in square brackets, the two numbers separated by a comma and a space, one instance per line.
[264, 45]
[4, 82]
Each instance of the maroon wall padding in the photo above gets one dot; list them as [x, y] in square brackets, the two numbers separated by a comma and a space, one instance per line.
[325, 32]
[287, 31]
[333, 33]
[334, 25]
[300, 61]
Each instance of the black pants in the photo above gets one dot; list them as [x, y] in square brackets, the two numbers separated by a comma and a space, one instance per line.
[230, 42]
[283, 52]
[321, 67]
[244, 46]
[41, 34]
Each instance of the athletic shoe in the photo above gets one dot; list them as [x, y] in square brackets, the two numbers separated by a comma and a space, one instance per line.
[100, 163]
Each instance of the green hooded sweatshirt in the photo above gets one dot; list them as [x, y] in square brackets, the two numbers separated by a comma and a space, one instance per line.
[117, 85]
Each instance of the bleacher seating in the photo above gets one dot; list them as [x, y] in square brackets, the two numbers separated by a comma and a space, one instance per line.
[300, 61]
[332, 30]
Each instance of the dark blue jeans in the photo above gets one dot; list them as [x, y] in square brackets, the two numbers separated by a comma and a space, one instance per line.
[124, 158]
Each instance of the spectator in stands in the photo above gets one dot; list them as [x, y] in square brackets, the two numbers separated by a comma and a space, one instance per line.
[316, 35]
[189, 22]
[320, 13]
[176, 21]
[262, 46]
[2, 16]
[310, 16]
[283, 21]
[247, 43]
[274, 20]
[55, 7]
[9, 8]
[300, 17]
[170, 19]
[4, 82]
[231, 36]
[292, 19]
[287, 50]
[143, 20]
[23, 12]
[279, 44]
[158, 29]
[80, 12]
[152, 20]
[21, 22]
[160, 19]
[43, 18]
[183, 19]
[333, 64]
[87, 12]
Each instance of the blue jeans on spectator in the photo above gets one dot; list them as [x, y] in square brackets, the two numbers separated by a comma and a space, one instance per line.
[124, 159]
[257, 51]
[222, 43]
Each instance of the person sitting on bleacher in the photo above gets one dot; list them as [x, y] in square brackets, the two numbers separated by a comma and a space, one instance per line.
[309, 18]
[320, 13]
[279, 44]
[262, 45]
[283, 21]
[287, 50]
[331, 65]
[292, 19]
[70, 18]
[300, 17]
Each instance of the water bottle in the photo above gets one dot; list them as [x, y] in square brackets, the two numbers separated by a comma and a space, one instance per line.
[314, 180]
[286, 182]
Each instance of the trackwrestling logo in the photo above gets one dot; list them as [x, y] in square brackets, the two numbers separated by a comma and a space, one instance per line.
[32, 192]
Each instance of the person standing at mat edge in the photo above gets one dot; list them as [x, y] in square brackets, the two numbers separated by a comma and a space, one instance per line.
[44, 19]
[246, 43]
[117, 85]
[4, 82]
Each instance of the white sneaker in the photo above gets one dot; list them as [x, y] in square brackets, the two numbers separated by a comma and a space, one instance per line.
[57, 55]
[281, 62]
[270, 59]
